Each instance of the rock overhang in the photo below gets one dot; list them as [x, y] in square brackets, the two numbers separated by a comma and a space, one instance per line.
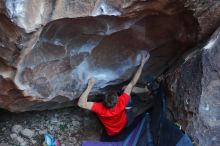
[66, 52]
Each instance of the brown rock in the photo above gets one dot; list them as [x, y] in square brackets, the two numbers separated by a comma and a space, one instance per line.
[194, 89]
[46, 55]
[208, 14]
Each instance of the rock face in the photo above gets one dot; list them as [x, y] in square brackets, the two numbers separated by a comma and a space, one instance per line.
[207, 12]
[194, 88]
[51, 48]
[62, 61]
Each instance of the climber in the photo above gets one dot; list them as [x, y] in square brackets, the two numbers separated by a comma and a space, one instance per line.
[111, 111]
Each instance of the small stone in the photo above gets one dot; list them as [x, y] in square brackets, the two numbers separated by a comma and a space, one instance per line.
[27, 133]
[18, 139]
[51, 128]
[74, 140]
[75, 123]
[3, 129]
[54, 120]
[33, 141]
[16, 129]
[13, 136]
[41, 132]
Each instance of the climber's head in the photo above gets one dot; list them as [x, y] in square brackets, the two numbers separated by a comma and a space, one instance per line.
[110, 99]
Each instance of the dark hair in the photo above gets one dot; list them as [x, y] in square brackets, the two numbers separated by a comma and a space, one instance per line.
[110, 99]
[151, 83]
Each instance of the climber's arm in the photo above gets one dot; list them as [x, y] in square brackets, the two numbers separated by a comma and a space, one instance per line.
[130, 86]
[83, 103]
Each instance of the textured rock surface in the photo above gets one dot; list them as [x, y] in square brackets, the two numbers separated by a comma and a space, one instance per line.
[47, 60]
[194, 88]
[47, 56]
[16, 129]
[32, 15]
[208, 14]
[49, 48]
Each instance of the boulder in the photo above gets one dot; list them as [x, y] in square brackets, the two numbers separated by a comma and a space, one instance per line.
[27, 133]
[16, 129]
[207, 12]
[194, 91]
[48, 58]
[49, 49]
[18, 139]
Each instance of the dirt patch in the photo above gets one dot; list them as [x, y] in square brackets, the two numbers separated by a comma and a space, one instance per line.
[72, 126]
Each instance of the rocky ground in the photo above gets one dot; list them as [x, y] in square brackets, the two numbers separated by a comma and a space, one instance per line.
[72, 126]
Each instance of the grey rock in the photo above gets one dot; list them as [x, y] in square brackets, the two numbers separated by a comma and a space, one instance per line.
[41, 132]
[33, 141]
[13, 136]
[16, 129]
[18, 139]
[27, 133]
[54, 120]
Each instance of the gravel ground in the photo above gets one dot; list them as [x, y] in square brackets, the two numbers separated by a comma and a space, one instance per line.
[71, 125]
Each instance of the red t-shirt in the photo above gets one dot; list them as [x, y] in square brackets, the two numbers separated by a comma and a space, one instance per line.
[115, 119]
